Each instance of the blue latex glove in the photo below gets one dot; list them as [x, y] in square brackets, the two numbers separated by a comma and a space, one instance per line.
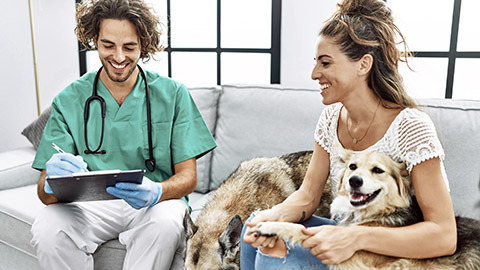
[138, 196]
[62, 164]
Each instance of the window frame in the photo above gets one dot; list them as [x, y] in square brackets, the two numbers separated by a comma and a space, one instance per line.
[452, 54]
[274, 50]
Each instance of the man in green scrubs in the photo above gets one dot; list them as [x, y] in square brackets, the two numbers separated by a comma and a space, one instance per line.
[148, 219]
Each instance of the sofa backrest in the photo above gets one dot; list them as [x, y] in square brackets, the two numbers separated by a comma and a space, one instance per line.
[256, 121]
[458, 127]
[207, 101]
[265, 121]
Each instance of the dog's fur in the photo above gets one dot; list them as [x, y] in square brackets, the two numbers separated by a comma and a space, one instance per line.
[388, 203]
[214, 242]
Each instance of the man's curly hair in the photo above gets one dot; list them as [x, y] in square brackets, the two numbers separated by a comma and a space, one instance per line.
[90, 14]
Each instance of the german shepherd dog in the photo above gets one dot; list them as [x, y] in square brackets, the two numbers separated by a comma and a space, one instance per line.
[213, 243]
[374, 190]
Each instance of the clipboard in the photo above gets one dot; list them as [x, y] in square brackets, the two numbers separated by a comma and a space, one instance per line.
[90, 186]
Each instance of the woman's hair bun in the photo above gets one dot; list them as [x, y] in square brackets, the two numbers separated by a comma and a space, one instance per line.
[362, 8]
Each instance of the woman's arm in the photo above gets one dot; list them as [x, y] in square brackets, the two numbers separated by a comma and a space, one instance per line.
[303, 202]
[436, 236]
[306, 198]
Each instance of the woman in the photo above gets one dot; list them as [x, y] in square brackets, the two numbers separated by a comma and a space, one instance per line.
[368, 110]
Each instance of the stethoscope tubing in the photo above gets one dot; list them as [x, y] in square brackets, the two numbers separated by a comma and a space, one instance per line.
[149, 163]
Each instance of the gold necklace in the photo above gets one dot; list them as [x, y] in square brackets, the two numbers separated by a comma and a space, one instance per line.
[355, 141]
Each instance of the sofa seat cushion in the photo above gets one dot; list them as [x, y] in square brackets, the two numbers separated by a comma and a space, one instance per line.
[18, 208]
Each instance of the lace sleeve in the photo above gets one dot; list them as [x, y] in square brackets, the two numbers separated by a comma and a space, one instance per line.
[326, 127]
[417, 139]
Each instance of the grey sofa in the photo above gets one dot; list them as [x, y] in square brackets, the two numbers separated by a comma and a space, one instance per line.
[247, 121]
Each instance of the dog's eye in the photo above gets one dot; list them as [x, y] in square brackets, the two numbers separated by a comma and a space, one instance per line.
[377, 170]
[352, 166]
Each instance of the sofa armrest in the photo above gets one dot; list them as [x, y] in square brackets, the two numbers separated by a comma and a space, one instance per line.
[16, 168]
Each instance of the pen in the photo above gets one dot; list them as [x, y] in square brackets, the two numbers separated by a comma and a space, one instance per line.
[60, 150]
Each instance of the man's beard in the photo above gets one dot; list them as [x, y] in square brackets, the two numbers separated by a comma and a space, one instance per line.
[106, 66]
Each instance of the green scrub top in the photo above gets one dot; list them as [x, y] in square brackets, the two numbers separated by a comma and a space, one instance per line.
[178, 129]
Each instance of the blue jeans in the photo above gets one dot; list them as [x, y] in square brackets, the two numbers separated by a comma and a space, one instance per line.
[297, 257]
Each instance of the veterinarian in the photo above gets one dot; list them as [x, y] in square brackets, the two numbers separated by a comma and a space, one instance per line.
[368, 110]
[159, 130]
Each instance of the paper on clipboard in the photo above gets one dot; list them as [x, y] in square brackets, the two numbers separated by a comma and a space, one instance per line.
[91, 186]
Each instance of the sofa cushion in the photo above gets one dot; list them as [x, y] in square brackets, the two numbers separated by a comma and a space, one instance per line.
[34, 131]
[206, 100]
[458, 127]
[18, 208]
[262, 121]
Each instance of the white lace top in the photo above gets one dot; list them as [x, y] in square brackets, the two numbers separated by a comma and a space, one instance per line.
[411, 138]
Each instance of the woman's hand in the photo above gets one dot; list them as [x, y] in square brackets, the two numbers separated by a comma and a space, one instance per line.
[256, 240]
[331, 244]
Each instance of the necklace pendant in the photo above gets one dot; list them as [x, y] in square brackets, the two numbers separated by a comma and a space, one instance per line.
[355, 141]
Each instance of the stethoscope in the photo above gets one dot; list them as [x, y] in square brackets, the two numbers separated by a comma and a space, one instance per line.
[149, 163]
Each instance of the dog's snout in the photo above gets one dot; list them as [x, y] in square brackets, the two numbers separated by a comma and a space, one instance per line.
[356, 181]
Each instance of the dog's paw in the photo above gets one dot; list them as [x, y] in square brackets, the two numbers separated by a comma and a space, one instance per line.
[285, 230]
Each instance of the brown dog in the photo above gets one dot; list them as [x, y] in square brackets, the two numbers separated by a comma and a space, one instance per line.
[374, 190]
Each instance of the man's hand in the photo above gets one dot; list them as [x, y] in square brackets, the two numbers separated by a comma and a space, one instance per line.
[148, 193]
[63, 164]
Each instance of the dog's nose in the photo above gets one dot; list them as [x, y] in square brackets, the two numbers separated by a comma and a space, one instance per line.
[356, 181]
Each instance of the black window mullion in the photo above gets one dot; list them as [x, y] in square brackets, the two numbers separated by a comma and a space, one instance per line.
[169, 40]
[219, 45]
[82, 53]
[453, 48]
[276, 41]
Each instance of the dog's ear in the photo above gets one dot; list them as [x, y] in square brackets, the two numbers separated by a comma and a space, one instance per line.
[230, 239]
[343, 156]
[189, 225]
[403, 179]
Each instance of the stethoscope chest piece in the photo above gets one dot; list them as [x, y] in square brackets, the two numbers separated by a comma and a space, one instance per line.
[150, 164]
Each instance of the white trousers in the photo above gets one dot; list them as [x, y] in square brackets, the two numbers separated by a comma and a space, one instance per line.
[66, 235]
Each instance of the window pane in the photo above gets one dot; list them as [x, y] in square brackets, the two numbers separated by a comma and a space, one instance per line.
[468, 28]
[464, 86]
[251, 68]
[424, 31]
[160, 8]
[428, 78]
[246, 23]
[194, 69]
[93, 61]
[158, 63]
[193, 23]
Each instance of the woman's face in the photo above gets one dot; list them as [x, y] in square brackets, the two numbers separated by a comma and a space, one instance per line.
[337, 75]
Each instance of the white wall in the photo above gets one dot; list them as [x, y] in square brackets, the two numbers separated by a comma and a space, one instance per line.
[57, 61]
